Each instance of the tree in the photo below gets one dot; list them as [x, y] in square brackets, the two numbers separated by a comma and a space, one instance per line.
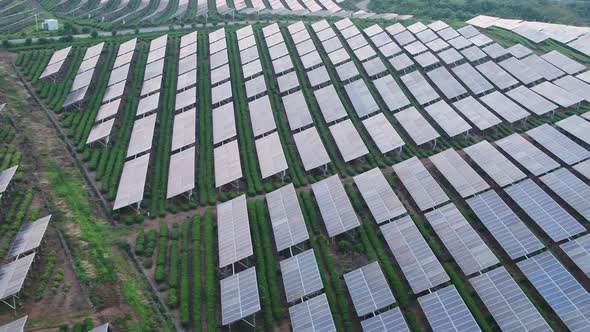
[114, 33]
[94, 34]
[28, 41]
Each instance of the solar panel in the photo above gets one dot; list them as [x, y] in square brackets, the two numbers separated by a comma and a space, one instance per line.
[558, 144]
[349, 142]
[419, 87]
[504, 107]
[100, 131]
[255, 86]
[297, 111]
[102, 328]
[221, 92]
[472, 79]
[417, 261]
[189, 38]
[224, 126]
[288, 82]
[271, 158]
[312, 315]
[495, 51]
[578, 251]
[416, 126]
[571, 189]
[522, 72]
[251, 54]
[383, 133]
[494, 164]
[544, 211]
[141, 135]
[278, 51]
[563, 62]
[556, 94]
[461, 240]
[187, 64]
[585, 76]
[448, 33]
[311, 60]
[542, 67]
[531, 100]
[273, 40]
[447, 118]
[261, 116]
[29, 237]
[415, 48]
[426, 35]
[401, 62]
[118, 74]
[390, 49]
[498, 76]
[473, 54]
[318, 76]
[123, 59]
[305, 47]
[286, 218]
[362, 101]
[527, 155]
[426, 59]
[132, 183]
[320, 25]
[395, 28]
[301, 275]
[437, 45]
[391, 93]
[507, 303]
[559, 288]
[468, 31]
[181, 174]
[481, 40]
[153, 69]
[330, 104]
[15, 326]
[519, 51]
[233, 231]
[504, 225]
[404, 38]
[270, 30]
[245, 32]
[218, 59]
[325, 35]
[13, 275]
[459, 43]
[381, 39]
[216, 35]
[148, 104]
[311, 150]
[575, 86]
[227, 163]
[349, 32]
[391, 320]
[368, 289]
[335, 207]
[420, 184]
[156, 55]
[82, 80]
[379, 196]
[583, 168]
[450, 56]
[458, 173]
[150, 86]
[346, 71]
[282, 65]
[75, 96]
[239, 296]
[186, 98]
[446, 311]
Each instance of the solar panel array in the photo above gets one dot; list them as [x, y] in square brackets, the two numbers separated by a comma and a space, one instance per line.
[6, 177]
[416, 126]
[301, 275]
[504, 225]
[379, 196]
[575, 192]
[417, 261]
[286, 217]
[544, 211]
[233, 231]
[527, 154]
[239, 296]
[390, 320]
[461, 240]
[13, 275]
[84, 76]
[368, 289]
[559, 288]
[58, 58]
[507, 303]
[15, 326]
[132, 183]
[349, 142]
[334, 205]
[447, 118]
[494, 164]
[420, 184]
[446, 311]
[462, 177]
[227, 163]
[558, 144]
[312, 315]
[476, 113]
[577, 127]
[578, 251]
[29, 237]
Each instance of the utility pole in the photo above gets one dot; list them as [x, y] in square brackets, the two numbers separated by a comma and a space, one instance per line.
[36, 23]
